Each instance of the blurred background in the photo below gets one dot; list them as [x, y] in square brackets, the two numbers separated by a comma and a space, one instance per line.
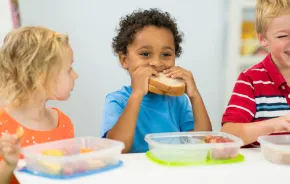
[219, 43]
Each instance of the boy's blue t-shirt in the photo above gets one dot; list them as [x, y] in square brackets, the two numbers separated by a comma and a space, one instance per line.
[158, 114]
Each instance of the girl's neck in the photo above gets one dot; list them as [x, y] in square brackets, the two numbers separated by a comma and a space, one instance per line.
[32, 110]
[34, 115]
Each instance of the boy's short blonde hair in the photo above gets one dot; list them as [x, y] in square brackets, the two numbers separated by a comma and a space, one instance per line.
[267, 10]
[30, 58]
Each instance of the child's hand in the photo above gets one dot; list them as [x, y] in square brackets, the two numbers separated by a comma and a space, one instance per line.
[10, 149]
[140, 79]
[281, 124]
[178, 72]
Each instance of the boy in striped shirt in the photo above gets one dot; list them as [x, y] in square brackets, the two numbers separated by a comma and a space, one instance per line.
[260, 101]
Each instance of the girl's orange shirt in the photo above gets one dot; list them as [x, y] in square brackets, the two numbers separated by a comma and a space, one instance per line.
[64, 130]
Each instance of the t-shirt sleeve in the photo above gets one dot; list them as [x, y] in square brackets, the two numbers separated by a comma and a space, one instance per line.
[112, 112]
[186, 115]
[242, 106]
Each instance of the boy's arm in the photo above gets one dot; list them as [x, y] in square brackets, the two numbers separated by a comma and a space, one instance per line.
[124, 129]
[202, 121]
[240, 113]
[249, 132]
[6, 173]
[198, 110]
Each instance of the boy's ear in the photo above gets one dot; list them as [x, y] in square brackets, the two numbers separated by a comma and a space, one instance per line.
[263, 40]
[123, 60]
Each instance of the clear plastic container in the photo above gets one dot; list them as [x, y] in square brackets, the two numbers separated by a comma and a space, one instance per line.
[71, 156]
[190, 147]
[276, 148]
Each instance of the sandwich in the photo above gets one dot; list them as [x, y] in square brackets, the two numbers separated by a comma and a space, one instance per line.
[164, 85]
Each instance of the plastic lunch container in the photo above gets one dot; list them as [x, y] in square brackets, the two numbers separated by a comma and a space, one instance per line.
[276, 148]
[71, 156]
[192, 147]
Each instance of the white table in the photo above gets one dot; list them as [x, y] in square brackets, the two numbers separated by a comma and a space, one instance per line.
[138, 169]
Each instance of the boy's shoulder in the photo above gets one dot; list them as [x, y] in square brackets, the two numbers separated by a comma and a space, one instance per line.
[259, 71]
[253, 70]
[123, 93]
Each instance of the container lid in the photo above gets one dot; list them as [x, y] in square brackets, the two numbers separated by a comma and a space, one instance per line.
[279, 142]
[189, 139]
[104, 146]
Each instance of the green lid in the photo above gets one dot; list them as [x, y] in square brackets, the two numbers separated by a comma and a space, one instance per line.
[237, 159]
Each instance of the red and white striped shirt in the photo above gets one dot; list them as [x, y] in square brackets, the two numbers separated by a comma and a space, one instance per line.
[260, 93]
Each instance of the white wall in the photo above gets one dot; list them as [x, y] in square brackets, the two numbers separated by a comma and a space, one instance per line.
[5, 19]
[91, 25]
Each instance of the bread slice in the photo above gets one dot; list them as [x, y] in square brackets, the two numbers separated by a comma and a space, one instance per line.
[166, 86]
[155, 90]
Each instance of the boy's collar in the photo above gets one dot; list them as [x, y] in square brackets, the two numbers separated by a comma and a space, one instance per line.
[273, 71]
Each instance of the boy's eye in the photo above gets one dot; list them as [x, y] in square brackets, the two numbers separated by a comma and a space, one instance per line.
[166, 54]
[282, 36]
[146, 54]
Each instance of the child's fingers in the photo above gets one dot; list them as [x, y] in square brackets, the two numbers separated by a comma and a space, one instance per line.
[148, 71]
[7, 150]
[169, 70]
[8, 137]
[181, 75]
[8, 147]
[7, 144]
[174, 72]
[178, 75]
[184, 73]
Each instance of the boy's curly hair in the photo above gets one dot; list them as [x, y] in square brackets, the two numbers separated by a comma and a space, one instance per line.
[30, 58]
[132, 23]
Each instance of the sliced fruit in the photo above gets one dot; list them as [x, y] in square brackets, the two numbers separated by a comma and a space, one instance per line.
[216, 139]
[85, 150]
[53, 152]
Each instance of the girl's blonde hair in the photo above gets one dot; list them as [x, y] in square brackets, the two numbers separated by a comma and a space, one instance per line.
[267, 10]
[30, 58]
